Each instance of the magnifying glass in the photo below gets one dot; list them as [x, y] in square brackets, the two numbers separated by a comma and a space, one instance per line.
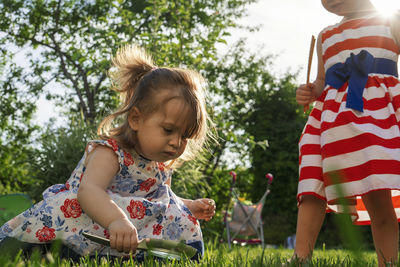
[157, 247]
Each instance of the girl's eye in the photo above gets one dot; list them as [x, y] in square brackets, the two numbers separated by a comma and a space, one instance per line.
[167, 130]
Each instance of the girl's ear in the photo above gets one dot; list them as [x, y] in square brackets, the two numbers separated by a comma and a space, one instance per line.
[134, 118]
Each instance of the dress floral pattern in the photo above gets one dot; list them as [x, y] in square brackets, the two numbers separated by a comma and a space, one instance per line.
[138, 188]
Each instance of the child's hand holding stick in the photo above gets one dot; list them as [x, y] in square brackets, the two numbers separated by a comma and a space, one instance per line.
[310, 56]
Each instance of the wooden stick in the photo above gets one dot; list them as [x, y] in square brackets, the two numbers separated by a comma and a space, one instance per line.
[310, 56]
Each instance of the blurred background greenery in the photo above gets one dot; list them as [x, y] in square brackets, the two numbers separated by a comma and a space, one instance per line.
[67, 46]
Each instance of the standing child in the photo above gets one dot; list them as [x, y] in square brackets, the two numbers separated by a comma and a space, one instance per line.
[121, 187]
[352, 138]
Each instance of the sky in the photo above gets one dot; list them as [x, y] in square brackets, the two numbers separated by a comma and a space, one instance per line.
[287, 27]
[286, 30]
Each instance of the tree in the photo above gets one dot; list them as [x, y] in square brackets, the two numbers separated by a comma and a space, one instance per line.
[237, 80]
[16, 129]
[278, 118]
[69, 43]
[60, 149]
[258, 121]
[261, 122]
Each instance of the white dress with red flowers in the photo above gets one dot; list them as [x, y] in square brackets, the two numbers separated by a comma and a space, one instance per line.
[138, 188]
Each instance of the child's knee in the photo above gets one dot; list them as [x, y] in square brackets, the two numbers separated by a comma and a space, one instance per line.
[384, 221]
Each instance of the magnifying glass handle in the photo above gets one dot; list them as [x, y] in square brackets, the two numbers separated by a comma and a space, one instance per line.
[151, 244]
[106, 242]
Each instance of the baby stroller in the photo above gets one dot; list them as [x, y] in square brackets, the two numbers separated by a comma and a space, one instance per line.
[244, 219]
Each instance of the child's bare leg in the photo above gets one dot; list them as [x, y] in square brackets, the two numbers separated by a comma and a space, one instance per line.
[384, 225]
[310, 217]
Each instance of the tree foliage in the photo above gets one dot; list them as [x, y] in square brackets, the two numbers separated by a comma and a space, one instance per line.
[279, 119]
[259, 124]
[62, 49]
[59, 153]
[15, 129]
[69, 43]
[67, 47]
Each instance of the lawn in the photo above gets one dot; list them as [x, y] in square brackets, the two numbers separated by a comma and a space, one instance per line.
[216, 255]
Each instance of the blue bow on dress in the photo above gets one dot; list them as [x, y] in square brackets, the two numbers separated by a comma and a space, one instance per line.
[355, 70]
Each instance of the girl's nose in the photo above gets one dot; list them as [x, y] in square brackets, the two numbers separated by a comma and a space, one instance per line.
[175, 140]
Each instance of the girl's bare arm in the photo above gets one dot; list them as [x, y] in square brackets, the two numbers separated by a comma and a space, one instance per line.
[395, 28]
[320, 79]
[308, 93]
[102, 166]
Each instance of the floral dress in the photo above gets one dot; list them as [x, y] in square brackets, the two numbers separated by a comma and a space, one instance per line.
[138, 188]
[350, 145]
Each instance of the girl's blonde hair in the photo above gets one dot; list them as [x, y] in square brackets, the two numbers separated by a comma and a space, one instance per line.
[138, 81]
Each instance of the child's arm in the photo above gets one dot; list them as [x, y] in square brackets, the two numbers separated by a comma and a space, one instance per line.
[308, 93]
[395, 28]
[102, 165]
[202, 208]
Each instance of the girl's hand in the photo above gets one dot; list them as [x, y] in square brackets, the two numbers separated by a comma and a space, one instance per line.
[306, 94]
[123, 235]
[203, 208]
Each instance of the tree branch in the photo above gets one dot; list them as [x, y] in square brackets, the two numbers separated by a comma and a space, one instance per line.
[219, 149]
[69, 77]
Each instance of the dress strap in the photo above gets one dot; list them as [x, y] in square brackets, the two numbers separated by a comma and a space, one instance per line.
[122, 156]
[355, 70]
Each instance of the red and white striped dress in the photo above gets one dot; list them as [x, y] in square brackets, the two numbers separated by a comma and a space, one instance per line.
[359, 151]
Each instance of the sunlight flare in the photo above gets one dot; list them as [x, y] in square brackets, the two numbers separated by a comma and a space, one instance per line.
[387, 7]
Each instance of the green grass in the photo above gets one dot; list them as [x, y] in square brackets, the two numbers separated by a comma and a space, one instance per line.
[215, 255]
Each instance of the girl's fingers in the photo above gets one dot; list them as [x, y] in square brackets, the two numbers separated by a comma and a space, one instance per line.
[204, 204]
[209, 217]
[134, 243]
[204, 209]
[209, 214]
[304, 99]
[119, 243]
[304, 93]
[210, 209]
[112, 241]
[127, 243]
[211, 204]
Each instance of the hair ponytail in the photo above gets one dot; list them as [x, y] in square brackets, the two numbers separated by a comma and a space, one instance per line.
[132, 63]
